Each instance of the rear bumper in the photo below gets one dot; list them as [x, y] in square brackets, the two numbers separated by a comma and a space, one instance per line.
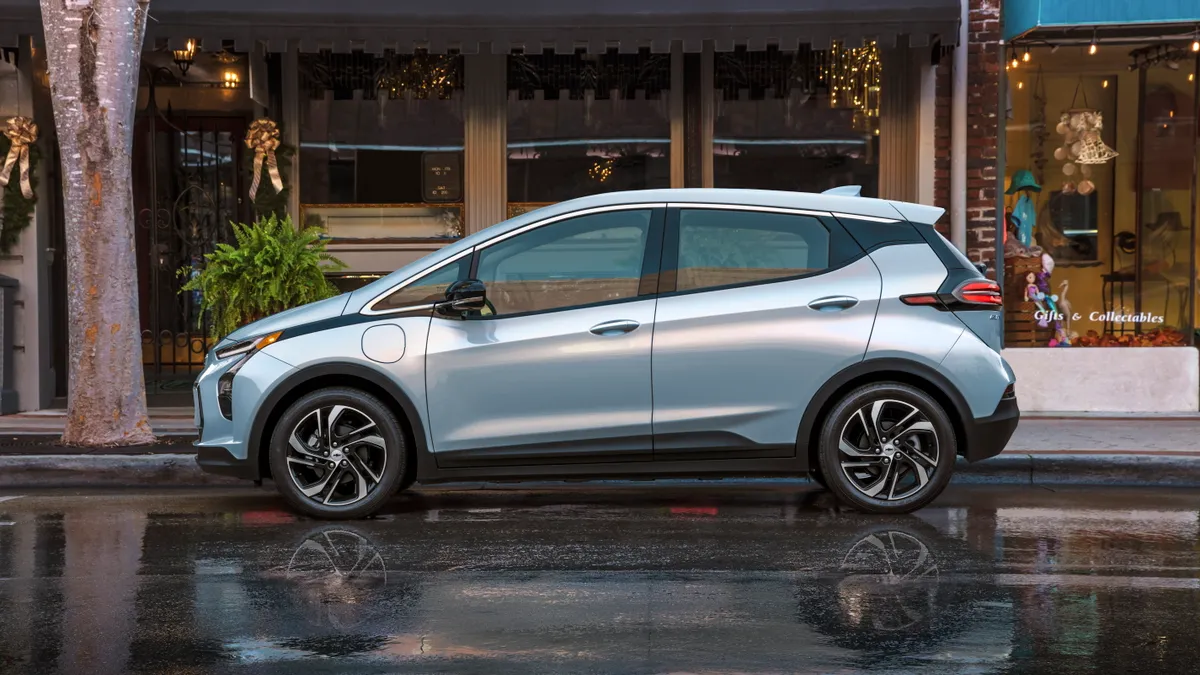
[987, 436]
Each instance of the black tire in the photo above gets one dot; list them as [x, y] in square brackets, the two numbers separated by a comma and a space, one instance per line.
[924, 455]
[384, 457]
[818, 477]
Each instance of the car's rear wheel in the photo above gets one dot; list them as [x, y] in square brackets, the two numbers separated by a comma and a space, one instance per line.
[887, 448]
[338, 453]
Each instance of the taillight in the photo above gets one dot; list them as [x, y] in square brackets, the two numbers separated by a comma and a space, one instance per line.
[979, 292]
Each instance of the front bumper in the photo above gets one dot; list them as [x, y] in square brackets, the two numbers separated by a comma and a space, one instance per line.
[220, 462]
[987, 436]
[223, 447]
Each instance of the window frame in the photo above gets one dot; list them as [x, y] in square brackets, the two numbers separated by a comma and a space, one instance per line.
[669, 273]
[647, 287]
[369, 308]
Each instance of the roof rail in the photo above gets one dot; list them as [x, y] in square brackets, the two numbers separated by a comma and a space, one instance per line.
[845, 191]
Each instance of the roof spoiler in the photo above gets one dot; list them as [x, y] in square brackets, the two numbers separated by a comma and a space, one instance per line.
[845, 191]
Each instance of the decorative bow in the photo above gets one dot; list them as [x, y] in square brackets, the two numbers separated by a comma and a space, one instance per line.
[263, 139]
[23, 133]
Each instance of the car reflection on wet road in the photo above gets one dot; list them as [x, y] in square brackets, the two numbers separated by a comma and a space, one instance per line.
[606, 579]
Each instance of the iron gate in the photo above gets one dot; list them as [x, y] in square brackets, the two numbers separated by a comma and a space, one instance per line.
[187, 187]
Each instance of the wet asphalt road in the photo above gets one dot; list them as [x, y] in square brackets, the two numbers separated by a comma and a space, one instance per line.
[698, 579]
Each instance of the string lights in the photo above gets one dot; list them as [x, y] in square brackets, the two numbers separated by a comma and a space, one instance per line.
[853, 75]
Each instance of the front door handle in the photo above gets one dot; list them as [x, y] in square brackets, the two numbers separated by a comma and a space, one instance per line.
[618, 327]
[833, 303]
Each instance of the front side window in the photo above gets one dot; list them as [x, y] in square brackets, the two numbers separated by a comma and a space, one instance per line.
[581, 261]
[427, 289]
[726, 248]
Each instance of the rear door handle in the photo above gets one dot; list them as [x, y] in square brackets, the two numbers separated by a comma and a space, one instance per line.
[618, 327]
[833, 303]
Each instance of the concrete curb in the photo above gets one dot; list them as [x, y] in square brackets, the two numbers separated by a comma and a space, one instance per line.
[180, 470]
[1108, 469]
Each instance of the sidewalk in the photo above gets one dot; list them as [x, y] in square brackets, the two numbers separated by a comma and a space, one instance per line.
[1046, 449]
[164, 421]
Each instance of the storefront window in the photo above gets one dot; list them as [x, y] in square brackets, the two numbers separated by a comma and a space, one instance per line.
[1099, 197]
[381, 142]
[805, 120]
[583, 124]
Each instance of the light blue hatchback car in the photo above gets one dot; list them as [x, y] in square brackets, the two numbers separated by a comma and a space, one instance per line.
[658, 333]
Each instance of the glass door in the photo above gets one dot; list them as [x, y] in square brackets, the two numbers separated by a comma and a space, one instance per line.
[1165, 197]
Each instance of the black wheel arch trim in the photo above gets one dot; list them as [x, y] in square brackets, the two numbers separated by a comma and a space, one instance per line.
[341, 369]
[826, 397]
[822, 401]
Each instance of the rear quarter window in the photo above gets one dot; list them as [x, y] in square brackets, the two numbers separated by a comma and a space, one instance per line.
[872, 234]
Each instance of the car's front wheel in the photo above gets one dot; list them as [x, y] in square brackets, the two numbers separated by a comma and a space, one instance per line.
[887, 448]
[338, 453]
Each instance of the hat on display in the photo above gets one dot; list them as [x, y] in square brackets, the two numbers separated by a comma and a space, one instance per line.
[1023, 180]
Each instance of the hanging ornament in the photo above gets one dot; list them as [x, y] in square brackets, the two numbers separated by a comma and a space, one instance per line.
[1086, 186]
[263, 139]
[1060, 154]
[1068, 169]
[1086, 125]
[22, 132]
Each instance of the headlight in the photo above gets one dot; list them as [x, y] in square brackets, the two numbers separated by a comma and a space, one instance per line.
[244, 346]
[243, 350]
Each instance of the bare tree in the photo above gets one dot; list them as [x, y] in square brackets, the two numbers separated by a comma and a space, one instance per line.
[94, 50]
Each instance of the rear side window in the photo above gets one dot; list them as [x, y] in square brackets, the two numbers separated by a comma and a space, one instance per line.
[719, 248]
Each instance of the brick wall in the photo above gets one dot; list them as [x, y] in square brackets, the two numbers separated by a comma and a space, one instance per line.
[984, 59]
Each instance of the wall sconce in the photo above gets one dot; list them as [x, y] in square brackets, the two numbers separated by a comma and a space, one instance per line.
[185, 57]
[231, 79]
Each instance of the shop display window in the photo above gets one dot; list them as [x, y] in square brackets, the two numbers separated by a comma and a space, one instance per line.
[1099, 241]
[381, 145]
[583, 124]
[804, 120]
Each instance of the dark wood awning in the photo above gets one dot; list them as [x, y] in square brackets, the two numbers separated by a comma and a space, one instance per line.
[471, 26]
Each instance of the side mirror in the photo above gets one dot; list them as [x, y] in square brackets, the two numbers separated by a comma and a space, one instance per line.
[468, 295]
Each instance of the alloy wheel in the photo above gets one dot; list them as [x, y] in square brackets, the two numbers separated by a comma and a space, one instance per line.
[336, 455]
[888, 450]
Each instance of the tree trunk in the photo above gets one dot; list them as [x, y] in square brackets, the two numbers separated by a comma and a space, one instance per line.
[94, 50]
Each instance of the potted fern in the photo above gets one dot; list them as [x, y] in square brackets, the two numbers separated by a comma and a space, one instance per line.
[270, 267]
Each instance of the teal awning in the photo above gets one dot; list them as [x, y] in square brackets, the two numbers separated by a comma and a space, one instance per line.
[1048, 19]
